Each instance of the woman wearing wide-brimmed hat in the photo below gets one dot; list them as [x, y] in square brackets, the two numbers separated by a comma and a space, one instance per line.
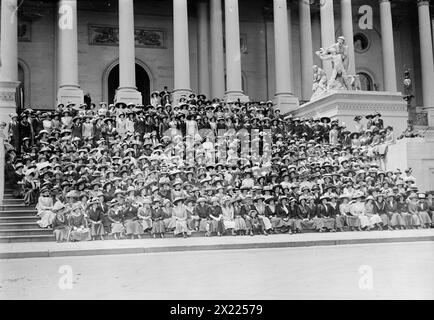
[60, 225]
[228, 215]
[180, 215]
[79, 226]
[374, 219]
[350, 220]
[95, 216]
[157, 216]
[45, 208]
[144, 214]
[422, 208]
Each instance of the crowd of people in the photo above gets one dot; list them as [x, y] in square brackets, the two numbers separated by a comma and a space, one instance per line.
[203, 165]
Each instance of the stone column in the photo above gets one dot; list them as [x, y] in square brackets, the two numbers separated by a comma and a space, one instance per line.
[426, 58]
[67, 54]
[283, 99]
[389, 71]
[181, 52]
[202, 44]
[306, 48]
[234, 89]
[217, 55]
[327, 30]
[127, 91]
[347, 32]
[9, 59]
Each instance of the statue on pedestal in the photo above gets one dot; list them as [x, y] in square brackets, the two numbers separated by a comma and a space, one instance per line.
[339, 79]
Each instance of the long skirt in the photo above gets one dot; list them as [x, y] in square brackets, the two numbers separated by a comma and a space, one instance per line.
[240, 224]
[385, 219]
[318, 223]
[297, 224]
[248, 221]
[397, 220]
[158, 227]
[307, 224]
[229, 224]
[424, 217]
[287, 222]
[61, 234]
[352, 221]
[47, 217]
[30, 196]
[106, 223]
[97, 229]
[133, 227]
[415, 220]
[340, 221]
[266, 223]
[146, 223]
[276, 222]
[117, 227]
[169, 223]
[364, 221]
[193, 222]
[216, 226]
[82, 235]
[329, 223]
[204, 225]
[374, 219]
[181, 227]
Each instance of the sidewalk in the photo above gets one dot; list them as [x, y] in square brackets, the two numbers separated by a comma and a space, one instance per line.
[53, 249]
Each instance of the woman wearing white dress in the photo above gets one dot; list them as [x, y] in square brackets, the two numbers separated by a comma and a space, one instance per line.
[228, 214]
[121, 123]
[358, 210]
[45, 209]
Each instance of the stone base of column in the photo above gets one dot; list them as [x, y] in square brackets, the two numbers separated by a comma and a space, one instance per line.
[8, 103]
[285, 102]
[233, 96]
[70, 94]
[128, 95]
[179, 93]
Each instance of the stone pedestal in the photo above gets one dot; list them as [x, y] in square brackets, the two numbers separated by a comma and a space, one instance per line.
[345, 105]
[415, 153]
[285, 103]
[7, 99]
[128, 95]
[69, 94]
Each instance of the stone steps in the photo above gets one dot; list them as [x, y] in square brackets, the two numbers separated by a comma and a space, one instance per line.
[25, 232]
[18, 225]
[27, 238]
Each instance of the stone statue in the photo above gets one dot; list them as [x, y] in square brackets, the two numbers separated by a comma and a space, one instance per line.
[319, 82]
[338, 54]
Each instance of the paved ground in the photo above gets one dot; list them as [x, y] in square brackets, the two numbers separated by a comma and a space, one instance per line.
[364, 271]
[53, 249]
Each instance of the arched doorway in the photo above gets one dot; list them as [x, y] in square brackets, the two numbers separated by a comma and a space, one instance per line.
[366, 82]
[142, 83]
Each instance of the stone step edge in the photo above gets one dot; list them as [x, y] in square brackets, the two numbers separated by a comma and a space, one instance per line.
[186, 247]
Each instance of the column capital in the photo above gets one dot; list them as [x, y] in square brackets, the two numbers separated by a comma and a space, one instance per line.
[380, 1]
[423, 3]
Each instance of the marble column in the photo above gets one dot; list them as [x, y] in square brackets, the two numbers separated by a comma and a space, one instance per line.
[389, 71]
[181, 52]
[306, 48]
[327, 30]
[217, 54]
[234, 89]
[9, 59]
[67, 54]
[127, 91]
[426, 58]
[283, 98]
[347, 32]
[203, 47]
